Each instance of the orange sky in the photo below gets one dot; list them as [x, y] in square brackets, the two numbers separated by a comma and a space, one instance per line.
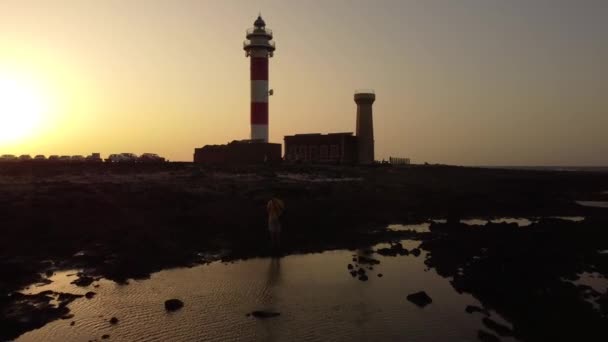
[470, 82]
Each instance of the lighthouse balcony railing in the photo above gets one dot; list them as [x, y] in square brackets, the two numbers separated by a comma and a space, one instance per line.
[268, 44]
[364, 91]
[257, 31]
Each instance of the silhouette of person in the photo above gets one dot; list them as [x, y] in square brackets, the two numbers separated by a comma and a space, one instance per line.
[275, 208]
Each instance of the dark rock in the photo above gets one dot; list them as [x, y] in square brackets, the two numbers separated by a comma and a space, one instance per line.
[67, 316]
[83, 281]
[350, 266]
[420, 298]
[113, 320]
[105, 337]
[394, 250]
[264, 314]
[367, 260]
[603, 303]
[72, 323]
[472, 308]
[363, 277]
[173, 304]
[353, 273]
[49, 273]
[486, 336]
[361, 271]
[500, 329]
[89, 295]
[379, 275]
[416, 251]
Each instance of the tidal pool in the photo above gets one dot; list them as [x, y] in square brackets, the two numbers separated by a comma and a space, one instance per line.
[317, 297]
[417, 227]
[521, 221]
[594, 204]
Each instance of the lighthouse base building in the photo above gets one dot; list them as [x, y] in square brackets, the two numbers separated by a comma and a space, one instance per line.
[239, 152]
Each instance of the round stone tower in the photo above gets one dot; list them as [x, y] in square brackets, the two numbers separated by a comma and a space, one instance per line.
[365, 125]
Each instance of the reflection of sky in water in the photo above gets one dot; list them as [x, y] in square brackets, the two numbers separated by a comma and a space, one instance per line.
[418, 227]
[315, 294]
[595, 204]
[521, 221]
[594, 280]
[61, 283]
[474, 221]
[570, 218]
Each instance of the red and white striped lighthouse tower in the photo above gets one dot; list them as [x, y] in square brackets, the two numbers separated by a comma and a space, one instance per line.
[259, 46]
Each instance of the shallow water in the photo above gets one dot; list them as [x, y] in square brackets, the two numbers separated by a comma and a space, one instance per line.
[521, 221]
[570, 218]
[595, 204]
[316, 296]
[474, 221]
[417, 227]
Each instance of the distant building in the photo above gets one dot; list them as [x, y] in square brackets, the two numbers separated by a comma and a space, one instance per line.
[399, 161]
[342, 148]
[321, 148]
[239, 152]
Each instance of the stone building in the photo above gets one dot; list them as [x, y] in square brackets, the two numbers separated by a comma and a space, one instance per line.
[239, 152]
[321, 148]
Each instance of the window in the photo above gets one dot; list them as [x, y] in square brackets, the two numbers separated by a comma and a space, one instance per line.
[324, 152]
[334, 152]
[303, 153]
[314, 153]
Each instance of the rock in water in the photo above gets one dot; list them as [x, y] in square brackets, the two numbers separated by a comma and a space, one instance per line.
[363, 277]
[105, 337]
[113, 320]
[350, 266]
[379, 275]
[264, 314]
[416, 251]
[89, 294]
[173, 304]
[420, 298]
[83, 281]
[486, 336]
[368, 261]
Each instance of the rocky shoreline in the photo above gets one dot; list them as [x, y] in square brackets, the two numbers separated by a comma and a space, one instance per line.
[127, 221]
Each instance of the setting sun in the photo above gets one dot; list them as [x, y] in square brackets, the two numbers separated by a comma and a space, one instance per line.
[22, 106]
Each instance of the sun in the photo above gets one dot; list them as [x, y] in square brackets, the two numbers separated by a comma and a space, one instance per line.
[22, 107]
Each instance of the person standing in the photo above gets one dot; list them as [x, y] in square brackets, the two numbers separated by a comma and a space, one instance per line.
[275, 208]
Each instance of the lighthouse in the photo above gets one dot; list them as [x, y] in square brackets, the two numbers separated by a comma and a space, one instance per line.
[259, 46]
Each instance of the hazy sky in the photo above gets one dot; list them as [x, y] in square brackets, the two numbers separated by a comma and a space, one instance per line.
[457, 81]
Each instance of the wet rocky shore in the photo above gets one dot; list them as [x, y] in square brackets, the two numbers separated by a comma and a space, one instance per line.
[127, 221]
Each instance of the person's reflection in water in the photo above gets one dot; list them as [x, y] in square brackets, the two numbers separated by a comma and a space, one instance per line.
[273, 279]
[270, 298]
